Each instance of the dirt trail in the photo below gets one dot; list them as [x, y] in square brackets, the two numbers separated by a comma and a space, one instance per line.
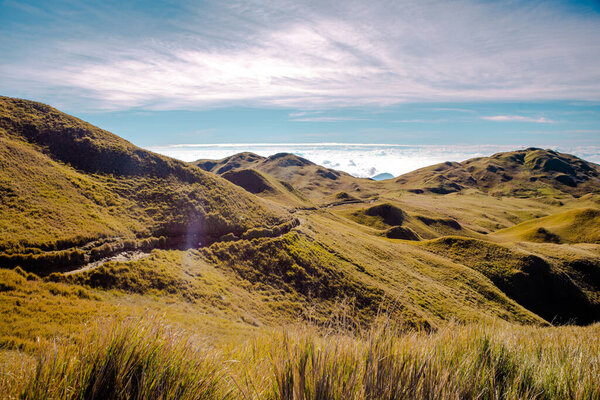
[121, 257]
[134, 255]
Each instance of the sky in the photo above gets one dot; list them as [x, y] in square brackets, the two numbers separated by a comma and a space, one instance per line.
[451, 78]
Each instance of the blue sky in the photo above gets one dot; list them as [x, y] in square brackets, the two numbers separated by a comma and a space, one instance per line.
[458, 72]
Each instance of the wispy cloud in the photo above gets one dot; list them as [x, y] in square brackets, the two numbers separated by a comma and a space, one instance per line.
[318, 116]
[453, 109]
[419, 120]
[303, 113]
[322, 54]
[518, 118]
[327, 119]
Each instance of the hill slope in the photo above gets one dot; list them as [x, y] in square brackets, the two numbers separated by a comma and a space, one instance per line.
[318, 183]
[527, 172]
[580, 225]
[67, 184]
[267, 187]
[549, 289]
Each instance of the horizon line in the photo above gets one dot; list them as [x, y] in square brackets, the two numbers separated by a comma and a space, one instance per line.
[185, 145]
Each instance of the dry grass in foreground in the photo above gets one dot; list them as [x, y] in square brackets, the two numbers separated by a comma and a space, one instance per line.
[148, 360]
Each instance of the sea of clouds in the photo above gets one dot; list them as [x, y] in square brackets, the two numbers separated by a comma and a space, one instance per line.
[361, 160]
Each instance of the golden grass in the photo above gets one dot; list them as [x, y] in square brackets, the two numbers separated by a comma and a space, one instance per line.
[573, 226]
[523, 173]
[150, 360]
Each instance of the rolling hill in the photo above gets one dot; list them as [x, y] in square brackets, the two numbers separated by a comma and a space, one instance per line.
[474, 200]
[318, 183]
[93, 224]
[267, 187]
[580, 225]
[529, 172]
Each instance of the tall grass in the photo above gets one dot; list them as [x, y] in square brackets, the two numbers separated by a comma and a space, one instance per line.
[125, 361]
[142, 361]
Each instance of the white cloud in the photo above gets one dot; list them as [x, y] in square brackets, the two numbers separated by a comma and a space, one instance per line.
[518, 118]
[327, 119]
[301, 114]
[319, 54]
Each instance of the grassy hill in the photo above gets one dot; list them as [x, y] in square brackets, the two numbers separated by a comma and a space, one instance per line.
[267, 187]
[581, 225]
[81, 200]
[318, 183]
[530, 172]
[69, 213]
[391, 221]
[549, 289]
[69, 188]
[462, 206]
[97, 229]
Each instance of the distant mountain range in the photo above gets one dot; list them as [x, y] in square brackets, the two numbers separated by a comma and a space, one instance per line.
[383, 176]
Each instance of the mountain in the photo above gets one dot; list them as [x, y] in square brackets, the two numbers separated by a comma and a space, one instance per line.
[467, 205]
[383, 176]
[528, 172]
[267, 187]
[318, 183]
[240, 160]
[70, 190]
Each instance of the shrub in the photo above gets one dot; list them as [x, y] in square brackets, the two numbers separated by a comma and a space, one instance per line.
[10, 280]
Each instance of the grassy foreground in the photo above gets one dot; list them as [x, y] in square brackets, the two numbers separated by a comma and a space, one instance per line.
[150, 360]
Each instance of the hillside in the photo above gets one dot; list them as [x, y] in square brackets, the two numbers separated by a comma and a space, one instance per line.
[267, 187]
[241, 160]
[390, 221]
[530, 172]
[318, 183]
[581, 225]
[71, 191]
[537, 278]
[471, 201]
[291, 278]
[97, 226]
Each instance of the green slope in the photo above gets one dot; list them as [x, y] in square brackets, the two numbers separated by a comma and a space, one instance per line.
[315, 182]
[547, 287]
[581, 225]
[66, 183]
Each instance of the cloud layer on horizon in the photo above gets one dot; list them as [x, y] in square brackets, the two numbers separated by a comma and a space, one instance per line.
[312, 55]
[361, 160]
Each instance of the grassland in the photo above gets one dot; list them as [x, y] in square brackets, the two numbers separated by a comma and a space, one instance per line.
[527, 173]
[125, 274]
[150, 360]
